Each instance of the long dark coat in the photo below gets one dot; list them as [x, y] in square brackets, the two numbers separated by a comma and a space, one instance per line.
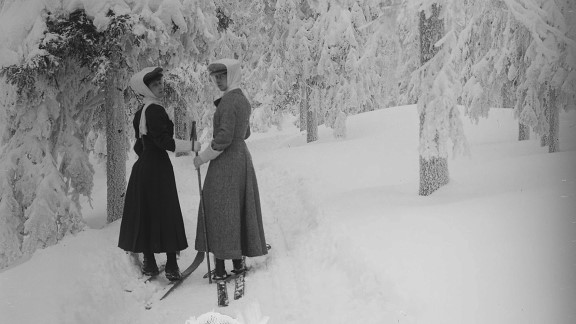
[152, 219]
[230, 193]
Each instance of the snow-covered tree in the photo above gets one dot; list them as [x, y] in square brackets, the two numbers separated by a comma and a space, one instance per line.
[409, 55]
[286, 66]
[304, 59]
[47, 168]
[56, 68]
[492, 48]
[351, 61]
[183, 87]
[524, 48]
[437, 88]
[550, 80]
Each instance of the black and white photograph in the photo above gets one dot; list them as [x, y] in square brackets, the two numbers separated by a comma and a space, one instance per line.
[288, 161]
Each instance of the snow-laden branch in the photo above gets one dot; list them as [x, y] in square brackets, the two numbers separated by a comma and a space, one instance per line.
[530, 15]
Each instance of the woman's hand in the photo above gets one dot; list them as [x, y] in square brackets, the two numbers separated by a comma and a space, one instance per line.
[196, 146]
[198, 162]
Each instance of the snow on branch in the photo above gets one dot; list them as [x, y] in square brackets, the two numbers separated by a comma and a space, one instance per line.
[542, 24]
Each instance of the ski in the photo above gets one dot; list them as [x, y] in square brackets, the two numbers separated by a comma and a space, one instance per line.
[170, 287]
[161, 269]
[222, 288]
[147, 278]
[205, 276]
[187, 272]
[239, 286]
[222, 292]
[239, 281]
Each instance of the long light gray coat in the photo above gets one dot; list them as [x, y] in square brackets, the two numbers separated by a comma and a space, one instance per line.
[230, 193]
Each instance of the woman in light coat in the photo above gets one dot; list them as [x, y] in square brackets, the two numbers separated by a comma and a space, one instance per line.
[230, 194]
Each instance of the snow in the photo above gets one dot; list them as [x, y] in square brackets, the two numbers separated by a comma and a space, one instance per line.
[352, 240]
[22, 22]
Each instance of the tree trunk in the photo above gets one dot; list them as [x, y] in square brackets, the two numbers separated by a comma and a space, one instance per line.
[311, 117]
[434, 170]
[180, 120]
[506, 96]
[523, 132]
[553, 123]
[544, 140]
[433, 174]
[115, 150]
[303, 106]
[180, 123]
[311, 125]
[544, 135]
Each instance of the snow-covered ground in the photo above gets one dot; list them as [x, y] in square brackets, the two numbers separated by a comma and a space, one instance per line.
[352, 241]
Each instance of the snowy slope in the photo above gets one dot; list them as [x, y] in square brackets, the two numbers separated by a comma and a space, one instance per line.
[352, 240]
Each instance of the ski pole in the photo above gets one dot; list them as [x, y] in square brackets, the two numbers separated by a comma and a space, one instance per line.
[193, 136]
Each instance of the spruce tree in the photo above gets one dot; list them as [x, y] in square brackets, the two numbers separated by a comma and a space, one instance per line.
[71, 85]
[434, 168]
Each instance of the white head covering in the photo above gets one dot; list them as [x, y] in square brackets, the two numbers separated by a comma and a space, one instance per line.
[234, 73]
[137, 84]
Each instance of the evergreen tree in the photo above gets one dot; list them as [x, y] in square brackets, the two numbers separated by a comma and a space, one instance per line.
[438, 89]
[55, 101]
[44, 149]
[523, 47]
[409, 56]
[116, 37]
[351, 77]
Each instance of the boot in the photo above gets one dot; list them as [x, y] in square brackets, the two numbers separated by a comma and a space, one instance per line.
[149, 266]
[220, 271]
[172, 270]
[239, 266]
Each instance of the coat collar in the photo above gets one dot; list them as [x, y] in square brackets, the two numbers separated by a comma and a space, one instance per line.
[217, 101]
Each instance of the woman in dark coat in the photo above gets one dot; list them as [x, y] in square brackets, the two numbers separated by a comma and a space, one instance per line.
[230, 194]
[152, 220]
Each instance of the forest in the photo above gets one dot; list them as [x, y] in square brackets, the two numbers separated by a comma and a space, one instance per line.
[65, 66]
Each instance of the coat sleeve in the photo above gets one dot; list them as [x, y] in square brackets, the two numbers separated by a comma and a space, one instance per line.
[138, 147]
[247, 131]
[224, 135]
[158, 125]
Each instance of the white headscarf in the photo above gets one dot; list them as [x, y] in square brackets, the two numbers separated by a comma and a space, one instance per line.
[137, 84]
[234, 73]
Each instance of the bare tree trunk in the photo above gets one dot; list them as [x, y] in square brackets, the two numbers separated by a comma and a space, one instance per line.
[311, 117]
[180, 122]
[115, 150]
[506, 95]
[553, 122]
[303, 106]
[544, 136]
[509, 101]
[544, 140]
[523, 132]
[434, 170]
[312, 125]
